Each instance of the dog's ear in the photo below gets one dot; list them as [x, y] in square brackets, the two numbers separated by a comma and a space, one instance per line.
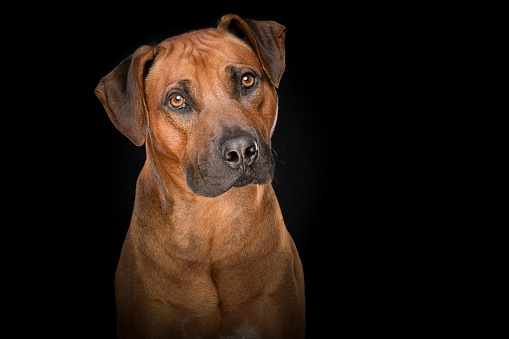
[267, 38]
[122, 93]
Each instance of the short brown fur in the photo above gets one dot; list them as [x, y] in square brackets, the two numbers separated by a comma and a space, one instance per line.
[191, 265]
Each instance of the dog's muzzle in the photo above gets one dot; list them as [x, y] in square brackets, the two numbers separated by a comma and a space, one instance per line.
[234, 161]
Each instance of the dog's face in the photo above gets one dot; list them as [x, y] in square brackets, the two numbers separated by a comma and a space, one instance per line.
[212, 111]
[209, 101]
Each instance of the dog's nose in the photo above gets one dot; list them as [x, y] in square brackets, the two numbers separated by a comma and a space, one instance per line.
[240, 151]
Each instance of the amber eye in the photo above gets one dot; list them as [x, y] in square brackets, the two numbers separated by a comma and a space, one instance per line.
[177, 101]
[248, 80]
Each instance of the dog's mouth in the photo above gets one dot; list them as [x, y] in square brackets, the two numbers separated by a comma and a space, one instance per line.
[245, 181]
[212, 181]
[212, 186]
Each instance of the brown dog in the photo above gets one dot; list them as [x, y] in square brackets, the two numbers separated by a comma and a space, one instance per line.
[207, 254]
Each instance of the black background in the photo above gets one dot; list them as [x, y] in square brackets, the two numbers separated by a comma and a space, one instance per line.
[343, 189]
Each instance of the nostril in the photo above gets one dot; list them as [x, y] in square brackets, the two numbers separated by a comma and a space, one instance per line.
[250, 152]
[232, 157]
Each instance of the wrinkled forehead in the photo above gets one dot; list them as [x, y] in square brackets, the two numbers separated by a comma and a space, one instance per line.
[202, 52]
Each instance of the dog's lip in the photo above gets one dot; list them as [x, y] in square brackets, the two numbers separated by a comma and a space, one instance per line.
[214, 186]
[244, 181]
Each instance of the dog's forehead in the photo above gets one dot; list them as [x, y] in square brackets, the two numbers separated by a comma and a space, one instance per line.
[205, 51]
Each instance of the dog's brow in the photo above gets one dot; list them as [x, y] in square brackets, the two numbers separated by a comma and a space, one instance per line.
[181, 85]
[239, 68]
[184, 84]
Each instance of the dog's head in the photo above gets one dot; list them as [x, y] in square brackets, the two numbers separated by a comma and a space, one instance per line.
[205, 102]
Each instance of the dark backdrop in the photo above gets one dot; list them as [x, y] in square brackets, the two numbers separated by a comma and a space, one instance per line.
[336, 181]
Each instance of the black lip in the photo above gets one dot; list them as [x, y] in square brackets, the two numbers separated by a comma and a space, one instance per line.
[244, 181]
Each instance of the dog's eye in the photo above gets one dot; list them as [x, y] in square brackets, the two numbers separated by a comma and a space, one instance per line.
[247, 80]
[177, 101]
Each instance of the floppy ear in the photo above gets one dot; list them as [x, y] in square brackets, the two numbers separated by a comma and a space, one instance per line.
[122, 93]
[267, 38]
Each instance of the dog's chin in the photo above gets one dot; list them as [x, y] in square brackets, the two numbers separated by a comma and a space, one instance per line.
[211, 189]
[208, 191]
[242, 182]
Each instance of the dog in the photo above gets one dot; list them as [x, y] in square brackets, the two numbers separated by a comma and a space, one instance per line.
[207, 253]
